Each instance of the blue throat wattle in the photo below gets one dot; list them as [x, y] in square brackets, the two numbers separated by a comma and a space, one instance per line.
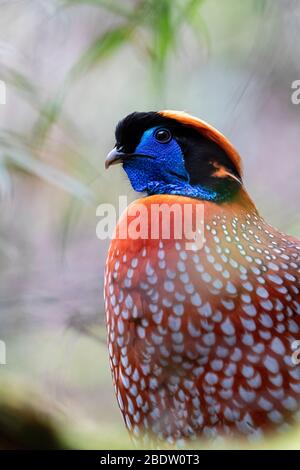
[183, 189]
[158, 168]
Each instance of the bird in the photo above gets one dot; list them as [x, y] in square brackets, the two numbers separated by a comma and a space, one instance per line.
[201, 326]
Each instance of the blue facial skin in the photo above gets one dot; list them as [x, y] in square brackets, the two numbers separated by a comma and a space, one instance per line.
[159, 169]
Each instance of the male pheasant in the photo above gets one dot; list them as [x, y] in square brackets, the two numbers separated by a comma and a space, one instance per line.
[200, 338]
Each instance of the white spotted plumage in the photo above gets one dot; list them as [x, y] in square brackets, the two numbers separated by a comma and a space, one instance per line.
[207, 335]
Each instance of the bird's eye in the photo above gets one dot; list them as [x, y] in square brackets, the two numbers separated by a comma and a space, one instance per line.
[163, 136]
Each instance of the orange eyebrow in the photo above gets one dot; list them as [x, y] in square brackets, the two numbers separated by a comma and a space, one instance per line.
[208, 131]
[221, 172]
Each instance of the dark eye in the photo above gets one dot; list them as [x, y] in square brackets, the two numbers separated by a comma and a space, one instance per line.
[163, 136]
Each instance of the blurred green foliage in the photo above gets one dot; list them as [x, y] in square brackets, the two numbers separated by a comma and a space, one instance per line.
[153, 27]
[156, 28]
[28, 420]
[22, 152]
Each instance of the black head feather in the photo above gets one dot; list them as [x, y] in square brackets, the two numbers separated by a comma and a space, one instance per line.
[202, 156]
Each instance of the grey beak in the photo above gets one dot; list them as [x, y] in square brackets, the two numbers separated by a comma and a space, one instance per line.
[114, 157]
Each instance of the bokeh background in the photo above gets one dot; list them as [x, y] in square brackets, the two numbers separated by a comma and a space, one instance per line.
[73, 68]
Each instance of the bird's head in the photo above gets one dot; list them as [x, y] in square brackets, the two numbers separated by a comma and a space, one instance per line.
[171, 152]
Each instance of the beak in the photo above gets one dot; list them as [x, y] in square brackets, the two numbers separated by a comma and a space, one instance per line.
[114, 157]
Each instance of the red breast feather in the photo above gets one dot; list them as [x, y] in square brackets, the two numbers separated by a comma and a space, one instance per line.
[200, 342]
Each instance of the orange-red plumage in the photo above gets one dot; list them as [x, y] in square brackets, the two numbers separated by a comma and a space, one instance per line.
[208, 131]
[200, 341]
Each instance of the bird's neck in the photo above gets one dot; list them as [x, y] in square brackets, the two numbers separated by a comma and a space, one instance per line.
[218, 190]
[234, 198]
[240, 203]
[182, 189]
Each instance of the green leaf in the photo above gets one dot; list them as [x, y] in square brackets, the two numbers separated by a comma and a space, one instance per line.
[31, 165]
[48, 115]
[164, 33]
[102, 47]
[22, 84]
